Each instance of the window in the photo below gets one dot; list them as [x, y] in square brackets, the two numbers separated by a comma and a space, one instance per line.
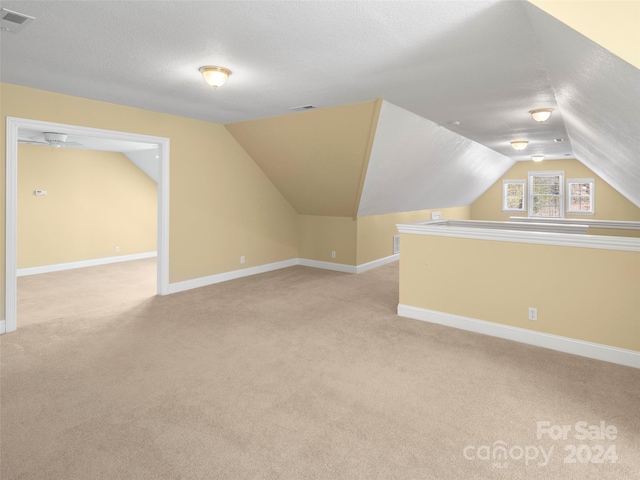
[546, 197]
[580, 193]
[513, 196]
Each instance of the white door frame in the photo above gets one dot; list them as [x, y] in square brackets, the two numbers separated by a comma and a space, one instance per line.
[9, 323]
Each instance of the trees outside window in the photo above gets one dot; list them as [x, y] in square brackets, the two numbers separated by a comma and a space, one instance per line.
[513, 196]
[580, 198]
[546, 194]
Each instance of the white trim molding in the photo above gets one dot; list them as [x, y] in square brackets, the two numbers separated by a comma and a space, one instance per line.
[22, 272]
[536, 233]
[305, 262]
[336, 267]
[2, 326]
[621, 356]
[341, 267]
[11, 213]
[226, 276]
[613, 224]
[377, 263]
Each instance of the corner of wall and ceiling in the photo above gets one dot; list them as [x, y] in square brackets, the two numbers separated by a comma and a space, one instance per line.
[367, 155]
[594, 21]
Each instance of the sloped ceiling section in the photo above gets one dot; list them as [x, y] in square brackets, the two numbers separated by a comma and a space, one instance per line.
[416, 164]
[599, 95]
[315, 158]
[147, 161]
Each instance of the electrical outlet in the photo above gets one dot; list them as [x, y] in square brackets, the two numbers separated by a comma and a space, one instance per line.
[242, 259]
[333, 254]
[533, 313]
[117, 249]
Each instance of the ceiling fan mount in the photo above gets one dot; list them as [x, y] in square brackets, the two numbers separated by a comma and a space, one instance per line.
[50, 139]
[56, 139]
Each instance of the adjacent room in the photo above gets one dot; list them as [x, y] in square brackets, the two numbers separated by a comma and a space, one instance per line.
[83, 204]
[320, 240]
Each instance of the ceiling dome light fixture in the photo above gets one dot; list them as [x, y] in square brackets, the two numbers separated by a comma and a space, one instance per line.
[541, 114]
[519, 144]
[215, 76]
[537, 158]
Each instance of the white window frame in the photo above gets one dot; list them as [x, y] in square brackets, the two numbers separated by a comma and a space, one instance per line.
[554, 173]
[505, 184]
[592, 210]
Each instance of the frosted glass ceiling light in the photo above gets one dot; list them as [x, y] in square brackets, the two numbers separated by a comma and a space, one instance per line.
[537, 158]
[519, 144]
[215, 76]
[541, 114]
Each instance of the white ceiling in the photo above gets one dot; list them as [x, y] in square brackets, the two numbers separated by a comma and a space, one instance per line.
[481, 63]
[599, 96]
[401, 178]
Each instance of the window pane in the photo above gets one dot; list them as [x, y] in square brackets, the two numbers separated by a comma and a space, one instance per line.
[514, 203]
[580, 197]
[513, 195]
[514, 189]
[546, 206]
[546, 191]
[580, 204]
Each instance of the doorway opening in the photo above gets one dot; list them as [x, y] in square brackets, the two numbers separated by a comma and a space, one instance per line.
[17, 125]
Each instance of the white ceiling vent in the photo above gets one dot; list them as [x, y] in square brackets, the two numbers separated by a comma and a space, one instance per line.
[13, 21]
[302, 108]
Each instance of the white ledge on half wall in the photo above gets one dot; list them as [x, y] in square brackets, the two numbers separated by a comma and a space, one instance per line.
[536, 233]
[613, 224]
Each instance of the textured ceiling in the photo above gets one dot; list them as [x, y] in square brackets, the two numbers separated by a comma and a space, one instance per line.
[418, 165]
[473, 67]
[599, 95]
[473, 62]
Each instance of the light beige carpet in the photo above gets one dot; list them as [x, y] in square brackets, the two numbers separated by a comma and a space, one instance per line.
[294, 374]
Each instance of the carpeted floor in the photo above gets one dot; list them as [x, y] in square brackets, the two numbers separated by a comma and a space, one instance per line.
[294, 374]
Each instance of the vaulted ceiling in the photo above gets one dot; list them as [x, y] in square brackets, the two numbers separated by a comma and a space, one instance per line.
[457, 79]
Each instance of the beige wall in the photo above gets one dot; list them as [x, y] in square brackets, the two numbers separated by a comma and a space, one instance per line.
[596, 21]
[320, 235]
[376, 232]
[572, 288]
[609, 204]
[317, 158]
[222, 205]
[95, 201]
[361, 240]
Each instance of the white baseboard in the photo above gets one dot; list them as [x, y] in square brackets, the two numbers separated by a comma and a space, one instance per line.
[305, 262]
[3, 327]
[377, 263]
[597, 351]
[226, 276]
[22, 272]
[338, 267]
